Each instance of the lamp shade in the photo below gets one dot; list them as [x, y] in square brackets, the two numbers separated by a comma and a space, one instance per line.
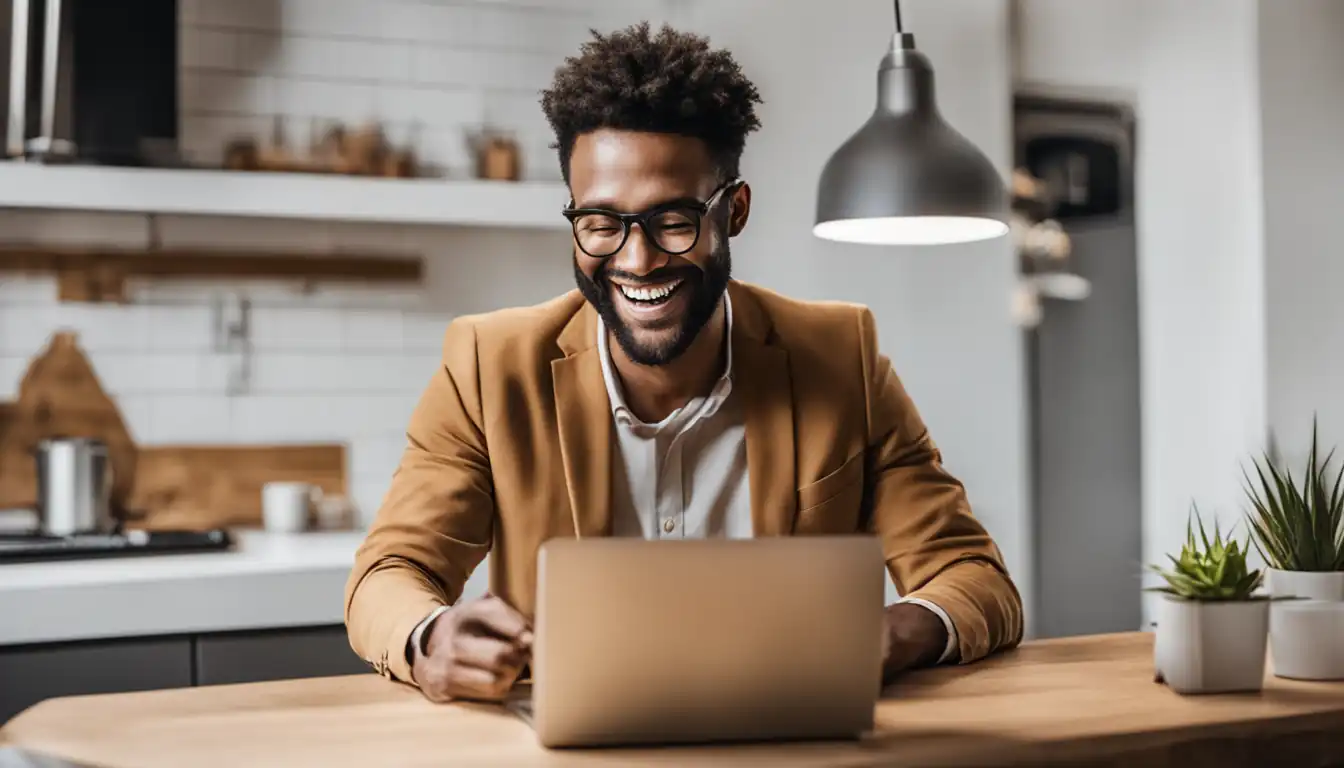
[907, 177]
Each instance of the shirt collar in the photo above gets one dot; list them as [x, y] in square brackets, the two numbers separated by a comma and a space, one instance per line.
[717, 395]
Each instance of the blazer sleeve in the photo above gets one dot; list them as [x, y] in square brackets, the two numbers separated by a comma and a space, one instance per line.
[435, 523]
[935, 548]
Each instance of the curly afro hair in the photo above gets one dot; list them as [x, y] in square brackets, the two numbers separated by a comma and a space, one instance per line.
[669, 83]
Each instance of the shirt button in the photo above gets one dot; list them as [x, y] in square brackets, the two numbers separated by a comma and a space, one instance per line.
[668, 525]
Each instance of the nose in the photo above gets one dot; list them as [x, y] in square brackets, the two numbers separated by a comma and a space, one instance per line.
[638, 256]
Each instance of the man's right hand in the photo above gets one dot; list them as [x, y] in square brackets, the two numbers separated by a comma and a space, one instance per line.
[474, 650]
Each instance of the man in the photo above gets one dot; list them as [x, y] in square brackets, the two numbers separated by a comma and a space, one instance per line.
[661, 399]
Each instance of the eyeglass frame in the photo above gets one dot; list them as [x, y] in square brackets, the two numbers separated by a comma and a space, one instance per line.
[701, 209]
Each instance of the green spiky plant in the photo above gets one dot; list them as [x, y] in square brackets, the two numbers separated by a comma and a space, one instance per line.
[1209, 569]
[1299, 529]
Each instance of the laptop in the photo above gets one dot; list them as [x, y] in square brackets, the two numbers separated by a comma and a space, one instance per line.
[702, 641]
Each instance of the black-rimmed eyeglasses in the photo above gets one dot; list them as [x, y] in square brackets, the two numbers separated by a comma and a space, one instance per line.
[673, 228]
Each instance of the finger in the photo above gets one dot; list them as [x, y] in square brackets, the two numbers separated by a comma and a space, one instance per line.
[501, 619]
[472, 683]
[486, 652]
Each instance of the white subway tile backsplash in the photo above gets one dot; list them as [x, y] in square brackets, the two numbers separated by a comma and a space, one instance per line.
[420, 369]
[436, 107]
[137, 412]
[241, 14]
[24, 330]
[327, 99]
[282, 329]
[439, 65]
[180, 328]
[148, 373]
[521, 112]
[375, 458]
[105, 328]
[423, 331]
[270, 418]
[338, 373]
[266, 418]
[23, 289]
[372, 330]
[518, 71]
[520, 28]
[209, 92]
[12, 370]
[368, 496]
[343, 59]
[208, 48]
[346, 18]
[190, 419]
[443, 24]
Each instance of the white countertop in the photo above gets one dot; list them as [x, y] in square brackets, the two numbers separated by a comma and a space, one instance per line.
[267, 580]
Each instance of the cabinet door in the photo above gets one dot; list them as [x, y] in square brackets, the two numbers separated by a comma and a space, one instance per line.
[29, 674]
[248, 657]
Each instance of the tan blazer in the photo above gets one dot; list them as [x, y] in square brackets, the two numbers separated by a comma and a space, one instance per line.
[511, 445]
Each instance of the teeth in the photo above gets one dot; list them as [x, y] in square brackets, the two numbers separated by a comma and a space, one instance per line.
[649, 293]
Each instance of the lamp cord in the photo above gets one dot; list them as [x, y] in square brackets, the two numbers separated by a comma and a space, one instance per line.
[899, 27]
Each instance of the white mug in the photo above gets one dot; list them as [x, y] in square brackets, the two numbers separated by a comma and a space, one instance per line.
[288, 507]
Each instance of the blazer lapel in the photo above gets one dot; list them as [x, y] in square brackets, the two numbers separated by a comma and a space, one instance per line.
[762, 371]
[583, 415]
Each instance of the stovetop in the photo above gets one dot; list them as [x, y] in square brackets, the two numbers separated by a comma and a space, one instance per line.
[30, 547]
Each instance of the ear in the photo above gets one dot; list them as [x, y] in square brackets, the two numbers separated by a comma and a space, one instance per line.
[739, 209]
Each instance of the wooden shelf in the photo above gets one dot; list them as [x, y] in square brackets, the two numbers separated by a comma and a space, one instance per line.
[495, 204]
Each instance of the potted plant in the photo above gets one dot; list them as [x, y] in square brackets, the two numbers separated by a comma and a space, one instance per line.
[1300, 531]
[1212, 629]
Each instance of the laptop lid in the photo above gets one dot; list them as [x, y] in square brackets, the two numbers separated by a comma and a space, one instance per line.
[642, 642]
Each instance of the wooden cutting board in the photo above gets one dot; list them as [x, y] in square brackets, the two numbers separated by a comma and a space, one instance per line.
[60, 396]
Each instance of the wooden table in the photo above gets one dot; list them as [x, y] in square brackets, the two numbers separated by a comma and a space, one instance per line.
[1073, 701]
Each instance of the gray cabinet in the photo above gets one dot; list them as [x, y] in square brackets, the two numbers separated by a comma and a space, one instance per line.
[29, 674]
[275, 655]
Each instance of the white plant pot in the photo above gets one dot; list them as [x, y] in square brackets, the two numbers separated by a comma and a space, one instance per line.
[1312, 585]
[1213, 646]
[1306, 639]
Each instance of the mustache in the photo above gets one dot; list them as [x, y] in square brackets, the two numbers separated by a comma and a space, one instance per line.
[656, 277]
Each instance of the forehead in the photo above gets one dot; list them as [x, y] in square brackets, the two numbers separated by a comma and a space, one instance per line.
[632, 170]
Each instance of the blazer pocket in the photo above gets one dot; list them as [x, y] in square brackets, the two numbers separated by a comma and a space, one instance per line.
[831, 504]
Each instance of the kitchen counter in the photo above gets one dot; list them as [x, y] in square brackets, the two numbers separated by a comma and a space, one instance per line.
[266, 581]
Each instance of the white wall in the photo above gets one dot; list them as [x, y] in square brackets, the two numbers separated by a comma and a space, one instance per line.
[1191, 69]
[1302, 94]
[943, 314]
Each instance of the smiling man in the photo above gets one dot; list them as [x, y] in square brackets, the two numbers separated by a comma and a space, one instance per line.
[662, 399]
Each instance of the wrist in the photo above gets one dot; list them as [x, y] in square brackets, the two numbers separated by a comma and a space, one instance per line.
[417, 645]
[916, 637]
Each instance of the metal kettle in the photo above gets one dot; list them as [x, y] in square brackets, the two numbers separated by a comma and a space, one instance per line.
[74, 486]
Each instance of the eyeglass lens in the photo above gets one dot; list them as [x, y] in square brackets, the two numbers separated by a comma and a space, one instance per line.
[673, 231]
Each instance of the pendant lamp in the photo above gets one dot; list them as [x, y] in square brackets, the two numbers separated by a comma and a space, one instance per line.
[906, 177]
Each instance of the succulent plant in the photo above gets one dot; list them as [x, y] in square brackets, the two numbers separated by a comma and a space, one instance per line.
[1209, 569]
[1299, 529]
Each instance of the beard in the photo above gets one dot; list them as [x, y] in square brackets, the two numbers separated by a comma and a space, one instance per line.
[706, 285]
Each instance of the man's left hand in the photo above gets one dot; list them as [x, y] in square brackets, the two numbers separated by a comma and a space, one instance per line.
[914, 637]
